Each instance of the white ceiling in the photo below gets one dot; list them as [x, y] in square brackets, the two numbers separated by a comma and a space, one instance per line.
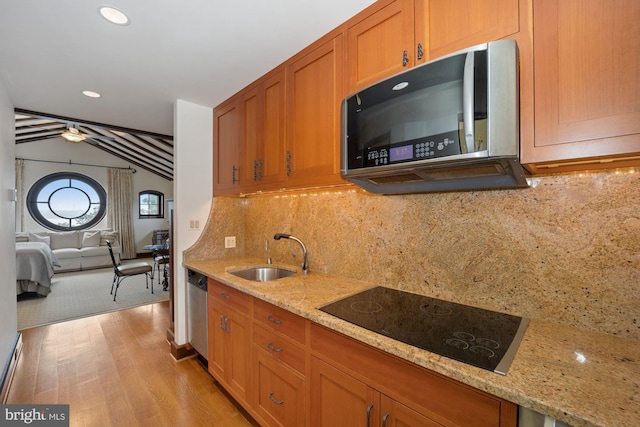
[201, 51]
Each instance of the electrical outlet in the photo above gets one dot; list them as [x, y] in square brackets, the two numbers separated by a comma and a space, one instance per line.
[230, 242]
[194, 224]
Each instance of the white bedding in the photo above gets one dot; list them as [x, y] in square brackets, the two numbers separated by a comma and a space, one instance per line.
[34, 267]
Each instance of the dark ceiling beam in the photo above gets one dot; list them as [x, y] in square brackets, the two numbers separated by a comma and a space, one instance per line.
[103, 125]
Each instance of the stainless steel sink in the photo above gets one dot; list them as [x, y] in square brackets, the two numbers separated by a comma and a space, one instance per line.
[263, 274]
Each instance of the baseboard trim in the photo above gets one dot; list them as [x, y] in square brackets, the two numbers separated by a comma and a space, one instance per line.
[183, 351]
[10, 368]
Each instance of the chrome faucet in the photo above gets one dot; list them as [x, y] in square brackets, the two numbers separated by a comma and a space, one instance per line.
[305, 267]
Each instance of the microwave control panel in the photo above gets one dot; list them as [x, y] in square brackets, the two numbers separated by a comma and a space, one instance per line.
[441, 145]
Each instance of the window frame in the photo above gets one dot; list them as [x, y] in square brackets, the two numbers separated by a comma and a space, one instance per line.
[160, 195]
[33, 203]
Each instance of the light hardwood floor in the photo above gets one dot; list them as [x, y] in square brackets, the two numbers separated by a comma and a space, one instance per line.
[115, 369]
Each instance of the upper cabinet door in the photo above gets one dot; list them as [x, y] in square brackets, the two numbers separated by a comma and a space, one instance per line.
[226, 148]
[380, 44]
[272, 165]
[458, 24]
[314, 92]
[587, 80]
[262, 116]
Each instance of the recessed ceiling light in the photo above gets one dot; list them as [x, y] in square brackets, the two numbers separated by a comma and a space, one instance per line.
[91, 94]
[113, 15]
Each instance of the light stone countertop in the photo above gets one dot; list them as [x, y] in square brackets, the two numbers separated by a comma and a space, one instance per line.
[579, 377]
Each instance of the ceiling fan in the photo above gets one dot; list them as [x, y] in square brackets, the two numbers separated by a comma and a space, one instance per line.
[73, 134]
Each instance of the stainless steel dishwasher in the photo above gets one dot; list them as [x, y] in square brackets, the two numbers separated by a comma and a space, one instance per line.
[197, 311]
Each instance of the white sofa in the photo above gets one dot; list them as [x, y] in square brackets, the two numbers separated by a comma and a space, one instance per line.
[77, 250]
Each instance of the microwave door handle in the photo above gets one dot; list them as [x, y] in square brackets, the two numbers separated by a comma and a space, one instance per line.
[468, 114]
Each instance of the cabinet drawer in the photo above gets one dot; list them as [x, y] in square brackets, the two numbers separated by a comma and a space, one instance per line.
[280, 320]
[280, 393]
[279, 347]
[220, 293]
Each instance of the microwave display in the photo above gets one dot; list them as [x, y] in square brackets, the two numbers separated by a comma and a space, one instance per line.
[403, 152]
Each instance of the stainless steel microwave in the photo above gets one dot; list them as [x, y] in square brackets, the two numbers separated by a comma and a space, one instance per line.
[449, 124]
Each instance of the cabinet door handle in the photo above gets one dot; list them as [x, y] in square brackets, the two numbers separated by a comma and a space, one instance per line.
[288, 162]
[270, 318]
[420, 51]
[260, 170]
[274, 400]
[225, 296]
[405, 58]
[226, 326]
[255, 170]
[222, 322]
[233, 174]
[272, 348]
[384, 420]
[369, 408]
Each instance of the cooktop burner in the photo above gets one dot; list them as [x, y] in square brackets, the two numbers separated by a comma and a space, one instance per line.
[479, 337]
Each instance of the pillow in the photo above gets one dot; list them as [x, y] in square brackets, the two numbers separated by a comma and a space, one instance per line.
[42, 239]
[65, 240]
[22, 236]
[111, 236]
[91, 239]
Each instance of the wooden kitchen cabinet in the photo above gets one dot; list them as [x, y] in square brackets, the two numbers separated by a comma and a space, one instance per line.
[457, 24]
[339, 399]
[263, 117]
[314, 94]
[227, 138]
[380, 43]
[348, 376]
[229, 338]
[392, 36]
[279, 392]
[587, 85]
[279, 366]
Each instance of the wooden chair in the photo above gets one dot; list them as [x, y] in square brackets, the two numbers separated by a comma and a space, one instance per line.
[121, 272]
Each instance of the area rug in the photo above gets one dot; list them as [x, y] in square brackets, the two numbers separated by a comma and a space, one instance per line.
[85, 293]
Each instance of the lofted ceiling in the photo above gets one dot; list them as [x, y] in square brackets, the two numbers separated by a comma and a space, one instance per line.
[149, 151]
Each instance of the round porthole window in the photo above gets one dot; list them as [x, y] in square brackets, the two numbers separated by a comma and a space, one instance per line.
[67, 201]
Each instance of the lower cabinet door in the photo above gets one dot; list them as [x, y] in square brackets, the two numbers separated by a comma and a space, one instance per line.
[280, 393]
[395, 414]
[338, 399]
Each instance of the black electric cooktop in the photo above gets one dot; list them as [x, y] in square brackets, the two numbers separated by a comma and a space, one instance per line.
[479, 337]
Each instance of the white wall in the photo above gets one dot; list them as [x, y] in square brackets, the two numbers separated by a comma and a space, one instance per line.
[8, 305]
[57, 149]
[193, 190]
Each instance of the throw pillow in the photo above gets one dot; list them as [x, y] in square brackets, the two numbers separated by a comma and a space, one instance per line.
[91, 239]
[111, 236]
[65, 240]
[41, 239]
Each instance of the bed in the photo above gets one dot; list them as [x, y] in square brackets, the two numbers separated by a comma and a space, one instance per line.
[34, 267]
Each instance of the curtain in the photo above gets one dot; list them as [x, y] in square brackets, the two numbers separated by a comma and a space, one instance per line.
[119, 207]
[20, 204]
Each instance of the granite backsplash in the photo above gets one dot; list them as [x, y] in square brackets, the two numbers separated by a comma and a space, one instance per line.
[565, 250]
